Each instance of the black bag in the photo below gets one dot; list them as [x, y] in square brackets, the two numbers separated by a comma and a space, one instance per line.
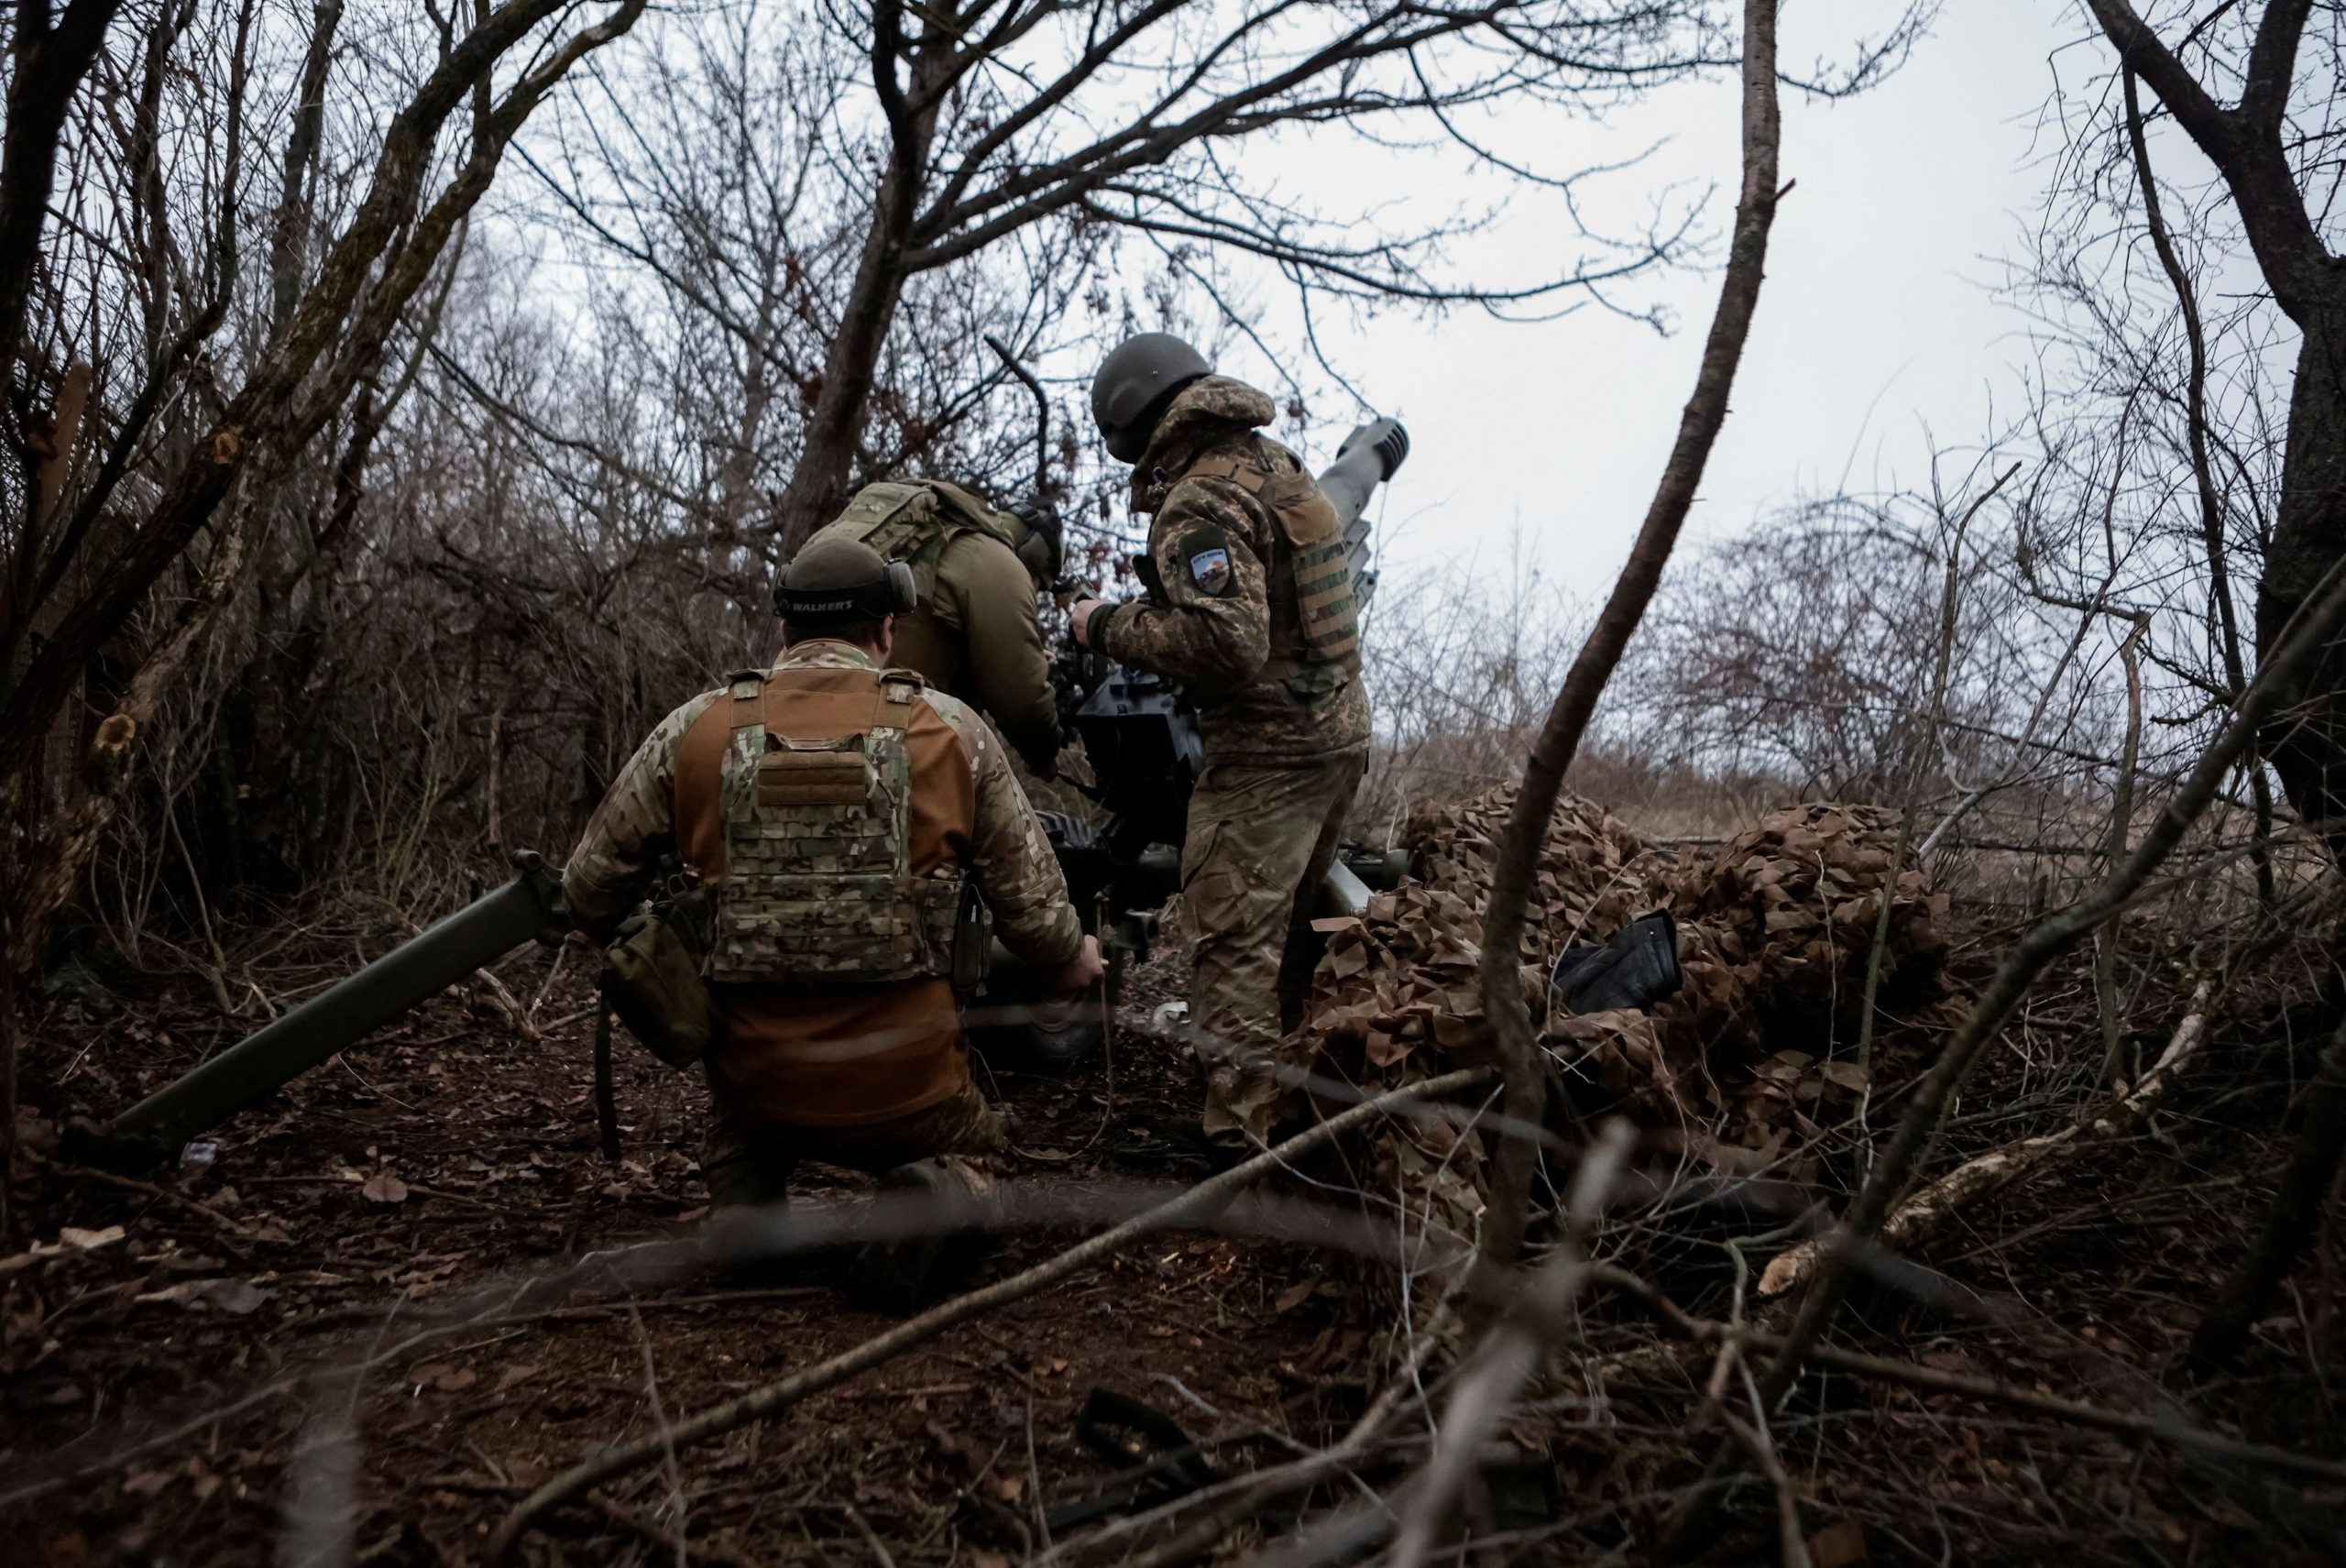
[1637, 968]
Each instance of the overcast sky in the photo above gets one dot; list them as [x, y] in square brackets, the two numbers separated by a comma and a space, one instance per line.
[1878, 312]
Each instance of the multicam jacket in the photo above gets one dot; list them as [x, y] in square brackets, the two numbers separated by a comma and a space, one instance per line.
[1249, 603]
[818, 1053]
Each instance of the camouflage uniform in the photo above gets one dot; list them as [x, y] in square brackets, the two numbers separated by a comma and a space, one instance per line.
[851, 1071]
[1250, 609]
[976, 634]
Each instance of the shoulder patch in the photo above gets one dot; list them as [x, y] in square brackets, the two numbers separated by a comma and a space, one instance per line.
[1205, 554]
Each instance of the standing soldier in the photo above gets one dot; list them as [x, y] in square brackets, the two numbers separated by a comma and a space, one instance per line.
[975, 634]
[845, 818]
[1249, 608]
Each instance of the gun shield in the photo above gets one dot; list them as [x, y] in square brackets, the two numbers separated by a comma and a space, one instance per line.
[1637, 968]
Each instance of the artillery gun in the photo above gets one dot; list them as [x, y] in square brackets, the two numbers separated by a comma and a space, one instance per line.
[1138, 732]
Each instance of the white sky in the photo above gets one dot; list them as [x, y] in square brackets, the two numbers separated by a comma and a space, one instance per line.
[1879, 313]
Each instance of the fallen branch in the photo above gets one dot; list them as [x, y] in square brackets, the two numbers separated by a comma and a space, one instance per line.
[165, 1195]
[1986, 1390]
[1921, 1216]
[1200, 1202]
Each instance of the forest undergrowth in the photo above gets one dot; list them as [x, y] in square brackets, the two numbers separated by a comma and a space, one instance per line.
[404, 407]
[408, 1289]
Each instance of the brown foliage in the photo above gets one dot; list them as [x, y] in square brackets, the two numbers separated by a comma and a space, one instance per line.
[1775, 931]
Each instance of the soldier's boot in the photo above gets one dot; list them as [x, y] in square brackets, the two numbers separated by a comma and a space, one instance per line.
[940, 1215]
[748, 1193]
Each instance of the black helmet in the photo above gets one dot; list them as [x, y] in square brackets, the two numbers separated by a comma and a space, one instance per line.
[1135, 383]
[835, 580]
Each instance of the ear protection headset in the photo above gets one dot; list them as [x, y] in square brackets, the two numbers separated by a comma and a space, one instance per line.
[895, 592]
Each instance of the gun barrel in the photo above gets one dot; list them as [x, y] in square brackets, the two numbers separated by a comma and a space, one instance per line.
[480, 933]
[1368, 457]
[1351, 480]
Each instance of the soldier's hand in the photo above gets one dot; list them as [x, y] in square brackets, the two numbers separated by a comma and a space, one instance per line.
[1079, 621]
[1081, 972]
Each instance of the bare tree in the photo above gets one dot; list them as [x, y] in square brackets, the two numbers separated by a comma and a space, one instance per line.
[2266, 152]
[975, 122]
[2275, 147]
[168, 442]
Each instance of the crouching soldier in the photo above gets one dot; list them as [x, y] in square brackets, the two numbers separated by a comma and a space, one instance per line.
[856, 832]
[976, 633]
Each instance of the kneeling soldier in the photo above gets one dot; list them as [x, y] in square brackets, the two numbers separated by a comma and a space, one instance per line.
[848, 822]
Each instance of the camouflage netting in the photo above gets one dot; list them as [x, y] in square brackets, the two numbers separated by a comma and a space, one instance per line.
[1773, 933]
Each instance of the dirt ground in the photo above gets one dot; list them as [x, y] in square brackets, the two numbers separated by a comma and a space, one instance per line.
[195, 1358]
[192, 1329]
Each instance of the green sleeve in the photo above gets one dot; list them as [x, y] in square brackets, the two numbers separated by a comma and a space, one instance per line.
[1010, 857]
[610, 870]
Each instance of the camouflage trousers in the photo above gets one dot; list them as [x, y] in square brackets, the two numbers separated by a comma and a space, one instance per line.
[1260, 839]
[747, 1167]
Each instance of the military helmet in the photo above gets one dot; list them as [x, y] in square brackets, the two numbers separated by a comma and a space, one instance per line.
[835, 581]
[1135, 381]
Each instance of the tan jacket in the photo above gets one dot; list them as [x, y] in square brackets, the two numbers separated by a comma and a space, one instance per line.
[831, 1055]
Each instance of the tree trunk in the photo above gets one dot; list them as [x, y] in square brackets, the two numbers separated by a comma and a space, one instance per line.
[817, 487]
[2307, 742]
[49, 67]
[1515, 860]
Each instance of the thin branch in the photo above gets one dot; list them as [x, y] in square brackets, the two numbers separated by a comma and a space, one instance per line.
[2160, 1428]
[1516, 858]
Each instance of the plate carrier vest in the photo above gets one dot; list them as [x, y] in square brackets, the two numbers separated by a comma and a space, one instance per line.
[818, 884]
[1314, 624]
